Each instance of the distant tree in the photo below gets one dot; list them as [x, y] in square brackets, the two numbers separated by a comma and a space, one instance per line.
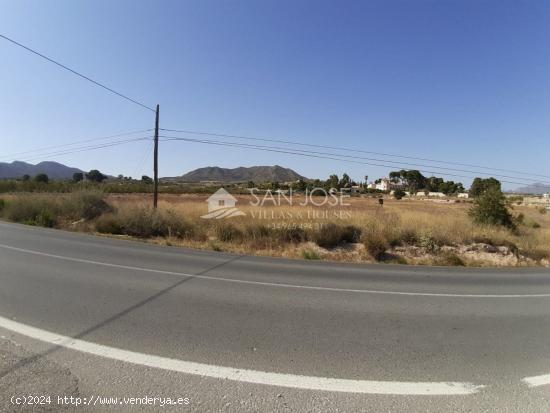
[433, 183]
[395, 176]
[146, 179]
[399, 193]
[42, 178]
[120, 177]
[345, 182]
[450, 187]
[332, 181]
[271, 185]
[412, 179]
[481, 185]
[95, 176]
[301, 185]
[250, 184]
[490, 208]
[26, 177]
[78, 176]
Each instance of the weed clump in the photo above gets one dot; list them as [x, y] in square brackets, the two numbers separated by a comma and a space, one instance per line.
[332, 235]
[145, 223]
[32, 210]
[490, 208]
[228, 232]
[310, 255]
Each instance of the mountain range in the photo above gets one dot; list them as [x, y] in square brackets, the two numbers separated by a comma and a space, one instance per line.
[535, 189]
[274, 173]
[54, 170]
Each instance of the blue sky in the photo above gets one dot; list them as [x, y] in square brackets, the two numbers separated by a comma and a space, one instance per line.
[465, 81]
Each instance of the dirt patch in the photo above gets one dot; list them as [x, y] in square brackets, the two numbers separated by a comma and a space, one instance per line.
[476, 254]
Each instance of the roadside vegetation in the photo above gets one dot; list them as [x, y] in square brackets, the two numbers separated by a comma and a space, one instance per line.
[487, 231]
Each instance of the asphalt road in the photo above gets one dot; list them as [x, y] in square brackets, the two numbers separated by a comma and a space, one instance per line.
[102, 317]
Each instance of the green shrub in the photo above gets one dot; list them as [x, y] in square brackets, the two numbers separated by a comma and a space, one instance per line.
[170, 224]
[108, 224]
[228, 232]
[520, 218]
[145, 223]
[41, 178]
[32, 210]
[44, 219]
[327, 236]
[310, 255]
[292, 235]
[256, 232]
[350, 233]
[375, 243]
[408, 236]
[137, 223]
[399, 194]
[2, 205]
[87, 205]
[449, 259]
[427, 242]
[490, 209]
[332, 235]
[215, 247]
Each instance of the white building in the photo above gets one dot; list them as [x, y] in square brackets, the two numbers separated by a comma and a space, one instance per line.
[546, 195]
[463, 195]
[384, 185]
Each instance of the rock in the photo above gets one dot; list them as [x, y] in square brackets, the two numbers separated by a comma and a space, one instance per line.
[490, 248]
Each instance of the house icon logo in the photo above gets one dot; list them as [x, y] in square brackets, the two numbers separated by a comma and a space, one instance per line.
[221, 204]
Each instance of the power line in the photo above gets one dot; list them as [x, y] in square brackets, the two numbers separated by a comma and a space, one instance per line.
[290, 142]
[87, 148]
[144, 159]
[311, 155]
[400, 164]
[77, 73]
[11, 156]
[393, 164]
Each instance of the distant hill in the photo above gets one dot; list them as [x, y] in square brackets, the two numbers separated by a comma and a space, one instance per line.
[535, 189]
[241, 174]
[54, 170]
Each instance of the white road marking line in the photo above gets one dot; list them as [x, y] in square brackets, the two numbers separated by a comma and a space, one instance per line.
[269, 284]
[535, 381]
[244, 375]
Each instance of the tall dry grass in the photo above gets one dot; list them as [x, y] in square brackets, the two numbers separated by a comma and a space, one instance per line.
[286, 230]
[428, 224]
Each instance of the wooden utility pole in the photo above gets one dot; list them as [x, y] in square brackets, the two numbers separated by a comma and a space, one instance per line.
[156, 161]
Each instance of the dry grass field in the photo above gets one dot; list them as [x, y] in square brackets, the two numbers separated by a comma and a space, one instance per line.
[433, 232]
[404, 231]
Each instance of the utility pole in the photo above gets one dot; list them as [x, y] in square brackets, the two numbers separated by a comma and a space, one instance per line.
[156, 161]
